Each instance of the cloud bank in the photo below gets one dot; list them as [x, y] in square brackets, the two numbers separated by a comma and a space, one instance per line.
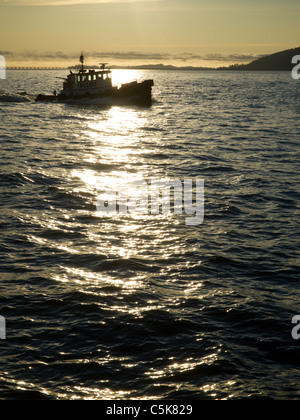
[94, 57]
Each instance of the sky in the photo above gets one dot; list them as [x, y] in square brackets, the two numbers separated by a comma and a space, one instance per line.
[208, 33]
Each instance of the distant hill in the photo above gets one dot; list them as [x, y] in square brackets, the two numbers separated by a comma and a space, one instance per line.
[281, 61]
[143, 67]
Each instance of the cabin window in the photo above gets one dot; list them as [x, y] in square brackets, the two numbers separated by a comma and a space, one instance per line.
[94, 77]
[89, 77]
[99, 76]
[78, 78]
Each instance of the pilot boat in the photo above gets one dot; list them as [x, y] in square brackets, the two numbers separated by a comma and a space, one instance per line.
[97, 85]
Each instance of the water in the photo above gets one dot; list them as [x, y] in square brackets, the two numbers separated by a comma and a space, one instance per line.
[127, 307]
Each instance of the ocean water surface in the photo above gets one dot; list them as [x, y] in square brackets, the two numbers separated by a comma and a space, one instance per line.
[127, 307]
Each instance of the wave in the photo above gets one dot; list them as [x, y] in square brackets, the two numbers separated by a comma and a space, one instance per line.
[15, 97]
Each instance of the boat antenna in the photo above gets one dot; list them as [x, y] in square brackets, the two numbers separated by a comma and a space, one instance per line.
[81, 59]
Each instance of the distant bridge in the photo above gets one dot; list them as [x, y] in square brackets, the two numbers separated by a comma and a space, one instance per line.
[35, 68]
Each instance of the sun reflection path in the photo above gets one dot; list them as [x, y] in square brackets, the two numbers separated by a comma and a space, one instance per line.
[118, 138]
[114, 139]
[121, 76]
[118, 141]
[119, 122]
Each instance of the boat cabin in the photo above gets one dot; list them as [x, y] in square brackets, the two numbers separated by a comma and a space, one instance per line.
[91, 81]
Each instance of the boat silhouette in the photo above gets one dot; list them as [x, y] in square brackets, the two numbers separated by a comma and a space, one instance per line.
[97, 84]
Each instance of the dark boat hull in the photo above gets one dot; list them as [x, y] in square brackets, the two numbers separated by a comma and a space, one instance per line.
[130, 93]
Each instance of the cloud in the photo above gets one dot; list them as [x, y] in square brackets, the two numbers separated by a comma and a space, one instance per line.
[94, 57]
[36, 55]
[133, 55]
[185, 57]
[233, 57]
[66, 2]
[6, 53]
[91, 56]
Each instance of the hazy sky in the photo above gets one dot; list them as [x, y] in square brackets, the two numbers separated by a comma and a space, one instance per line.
[181, 32]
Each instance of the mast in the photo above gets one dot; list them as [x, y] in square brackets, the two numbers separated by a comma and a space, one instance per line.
[81, 59]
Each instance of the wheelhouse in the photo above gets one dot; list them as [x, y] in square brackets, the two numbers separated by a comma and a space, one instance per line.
[91, 81]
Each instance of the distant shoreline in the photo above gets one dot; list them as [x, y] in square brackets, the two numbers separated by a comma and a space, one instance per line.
[227, 69]
[143, 67]
[281, 61]
[231, 69]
